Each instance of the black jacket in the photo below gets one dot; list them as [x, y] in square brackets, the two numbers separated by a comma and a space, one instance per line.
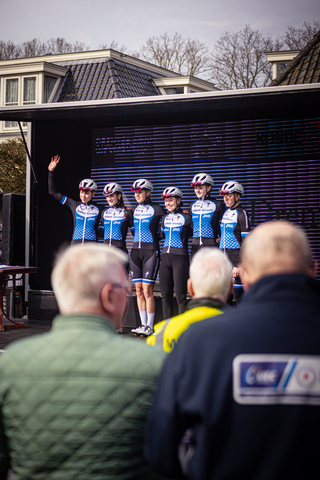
[275, 440]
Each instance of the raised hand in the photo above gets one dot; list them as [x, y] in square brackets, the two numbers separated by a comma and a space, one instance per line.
[54, 162]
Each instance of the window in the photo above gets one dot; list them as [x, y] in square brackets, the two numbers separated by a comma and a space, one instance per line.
[172, 91]
[14, 95]
[29, 90]
[49, 84]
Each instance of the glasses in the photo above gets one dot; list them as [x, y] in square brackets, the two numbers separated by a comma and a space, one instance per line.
[85, 189]
[125, 284]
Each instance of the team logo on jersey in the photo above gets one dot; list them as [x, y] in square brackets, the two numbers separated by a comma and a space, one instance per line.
[174, 220]
[230, 216]
[87, 210]
[201, 207]
[143, 211]
[113, 214]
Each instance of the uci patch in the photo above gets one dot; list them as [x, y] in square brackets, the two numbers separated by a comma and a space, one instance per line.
[276, 379]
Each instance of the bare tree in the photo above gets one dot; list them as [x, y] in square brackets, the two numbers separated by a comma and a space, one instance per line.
[36, 47]
[184, 56]
[9, 50]
[114, 45]
[33, 48]
[60, 45]
[239, 61]
[297, 38]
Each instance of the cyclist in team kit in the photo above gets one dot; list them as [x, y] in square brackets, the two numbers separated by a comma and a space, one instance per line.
[116, 219]
[145, 257]
[235, 227]
[86, 214]
[176, 229]
[206, 214]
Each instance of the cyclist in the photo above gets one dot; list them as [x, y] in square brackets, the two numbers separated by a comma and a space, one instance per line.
[144, 258]
[176, 229]
[206, 214]
[86, 214]
[117, 218]
[235, 227]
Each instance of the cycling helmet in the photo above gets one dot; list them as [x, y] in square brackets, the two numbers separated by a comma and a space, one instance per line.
[88, 185]
[231, 187]
[201, 179]
[171, 192]
[141, 184]
[111, 188]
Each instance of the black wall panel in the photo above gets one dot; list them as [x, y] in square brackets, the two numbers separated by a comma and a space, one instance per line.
[13, 229]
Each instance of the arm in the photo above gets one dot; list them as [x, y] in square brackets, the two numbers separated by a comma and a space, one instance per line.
[51, 185]
[244, 225]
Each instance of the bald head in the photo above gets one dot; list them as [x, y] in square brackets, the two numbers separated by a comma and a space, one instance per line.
[275, 248]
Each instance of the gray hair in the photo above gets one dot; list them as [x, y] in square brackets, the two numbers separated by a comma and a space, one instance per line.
[210, 274]
[81, 271]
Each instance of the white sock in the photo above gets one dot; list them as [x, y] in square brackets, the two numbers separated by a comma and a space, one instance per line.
[143, 317]
[151, 319]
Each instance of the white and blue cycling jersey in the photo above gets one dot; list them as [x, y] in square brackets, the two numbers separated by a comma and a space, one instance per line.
[234, 228]
[116, 222]
[206, 216]
[146, 218]
[86, 216]
[176, 228]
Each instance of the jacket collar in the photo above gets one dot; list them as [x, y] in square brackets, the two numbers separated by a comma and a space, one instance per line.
[206, 302]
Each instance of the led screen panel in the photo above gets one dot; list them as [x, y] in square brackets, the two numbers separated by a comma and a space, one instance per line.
[276, 161]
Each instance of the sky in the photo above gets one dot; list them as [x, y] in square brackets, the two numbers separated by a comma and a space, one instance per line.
[132, 22]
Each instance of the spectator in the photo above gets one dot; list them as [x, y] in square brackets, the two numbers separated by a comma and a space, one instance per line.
[209, 286]
[245, 388]
[73, 401]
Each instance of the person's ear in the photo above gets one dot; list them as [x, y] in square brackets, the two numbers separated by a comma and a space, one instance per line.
[245, 280]
[108, 299]
[313, 269]
[189, 287]
[231, 288]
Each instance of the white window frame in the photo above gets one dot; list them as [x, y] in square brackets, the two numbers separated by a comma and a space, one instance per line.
[20, 79]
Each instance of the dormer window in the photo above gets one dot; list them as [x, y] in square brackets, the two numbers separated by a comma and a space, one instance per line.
[19, 91]
[172, 91]
[49, 84]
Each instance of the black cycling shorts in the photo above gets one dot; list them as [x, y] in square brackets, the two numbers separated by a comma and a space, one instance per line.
[144, 265]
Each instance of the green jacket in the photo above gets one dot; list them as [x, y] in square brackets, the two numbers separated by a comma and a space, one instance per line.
[73, 402]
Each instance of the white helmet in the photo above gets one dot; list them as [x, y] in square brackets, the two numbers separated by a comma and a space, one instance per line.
[171, 192]
[88, 185]
[231, 187]
[201, 179]
[141, 184]
[111, 188]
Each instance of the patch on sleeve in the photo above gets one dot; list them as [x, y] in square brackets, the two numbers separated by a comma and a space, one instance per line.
[276, 379]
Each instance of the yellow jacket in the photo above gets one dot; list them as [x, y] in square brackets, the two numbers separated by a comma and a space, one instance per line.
[168, 331]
